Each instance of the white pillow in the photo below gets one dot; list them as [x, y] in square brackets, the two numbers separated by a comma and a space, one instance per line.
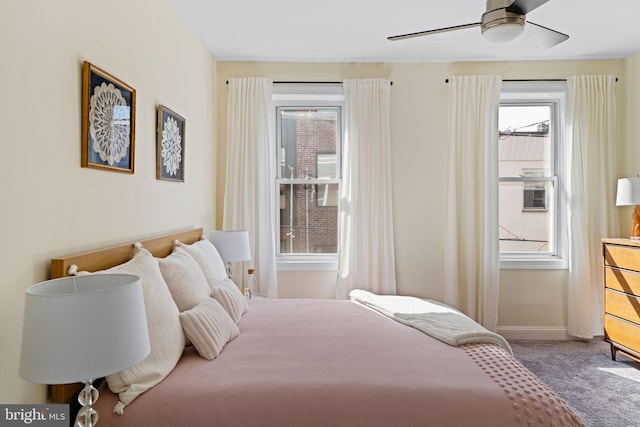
[208, 258]
[165, 331]
[185, 279]
[226, 292]
[209, 328]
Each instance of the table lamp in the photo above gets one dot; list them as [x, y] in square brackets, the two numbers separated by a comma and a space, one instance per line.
[233, 246]
[80, 328]
[628, 194]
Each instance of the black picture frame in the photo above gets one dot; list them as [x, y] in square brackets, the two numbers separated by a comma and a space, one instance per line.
[170, 144]
[108, 121]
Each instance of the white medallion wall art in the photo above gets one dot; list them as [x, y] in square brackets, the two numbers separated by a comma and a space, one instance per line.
[170, 145]
[108, 121]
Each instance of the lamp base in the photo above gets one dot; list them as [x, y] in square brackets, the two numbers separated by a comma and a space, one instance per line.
[87, 416]
[228, 267]
[635, 223]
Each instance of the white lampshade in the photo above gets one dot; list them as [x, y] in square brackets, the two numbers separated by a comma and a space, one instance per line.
[83, 327]
[233, 245]
[628, 192]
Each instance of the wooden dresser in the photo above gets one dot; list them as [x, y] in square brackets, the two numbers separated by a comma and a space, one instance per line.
[622, 296]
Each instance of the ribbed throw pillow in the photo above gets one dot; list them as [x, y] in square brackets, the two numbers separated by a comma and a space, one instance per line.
[209, 328]
[226, 292]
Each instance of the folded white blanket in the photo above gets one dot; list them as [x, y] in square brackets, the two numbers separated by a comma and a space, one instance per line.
[433, 318]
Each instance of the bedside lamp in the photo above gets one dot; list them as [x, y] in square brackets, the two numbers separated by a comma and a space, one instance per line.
[80, 328]
[628, 194]
[233, 246]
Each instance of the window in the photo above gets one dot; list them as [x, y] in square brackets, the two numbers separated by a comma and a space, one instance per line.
[326, 194]
[309, 139]
[534, 194]
[531, 171]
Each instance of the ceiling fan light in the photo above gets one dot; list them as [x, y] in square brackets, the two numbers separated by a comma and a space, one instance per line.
[503, 33]
[500, 26]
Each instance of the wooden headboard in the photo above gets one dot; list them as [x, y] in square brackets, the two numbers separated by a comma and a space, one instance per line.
[101, 259]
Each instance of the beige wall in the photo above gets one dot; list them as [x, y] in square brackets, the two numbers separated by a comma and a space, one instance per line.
[49, 205]
[534, 299]
[629, 159]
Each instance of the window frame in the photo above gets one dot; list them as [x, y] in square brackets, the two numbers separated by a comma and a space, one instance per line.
[305, 96]
[554, 95]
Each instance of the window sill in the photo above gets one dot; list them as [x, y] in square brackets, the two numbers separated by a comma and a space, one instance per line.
[306, 264]
[533, 264]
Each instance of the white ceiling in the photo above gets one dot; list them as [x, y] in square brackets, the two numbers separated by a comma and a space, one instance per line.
[357, 30]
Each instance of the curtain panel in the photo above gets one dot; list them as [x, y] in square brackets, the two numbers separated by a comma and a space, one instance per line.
[365, 229]
[591, 188]
[471, 235]
[249, 199]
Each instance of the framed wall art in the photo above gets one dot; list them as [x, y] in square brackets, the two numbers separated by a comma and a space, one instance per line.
[170, 145]
[108, 121]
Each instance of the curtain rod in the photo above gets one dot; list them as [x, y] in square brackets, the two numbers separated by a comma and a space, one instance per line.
[297, 82]
[530, 80]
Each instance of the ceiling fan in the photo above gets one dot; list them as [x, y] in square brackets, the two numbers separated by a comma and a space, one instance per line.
[504, 20]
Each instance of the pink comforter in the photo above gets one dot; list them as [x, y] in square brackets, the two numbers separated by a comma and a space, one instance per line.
[336, 363]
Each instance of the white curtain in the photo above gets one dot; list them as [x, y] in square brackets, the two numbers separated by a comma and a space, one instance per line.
[249, 199]
[592, 197]
[471, 242]
[365, 231]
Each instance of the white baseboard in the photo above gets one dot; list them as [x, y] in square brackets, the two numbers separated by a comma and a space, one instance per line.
[534, 333]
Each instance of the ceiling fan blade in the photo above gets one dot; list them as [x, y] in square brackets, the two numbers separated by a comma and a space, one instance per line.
[439, 30]
[523, 7]
[542, 36]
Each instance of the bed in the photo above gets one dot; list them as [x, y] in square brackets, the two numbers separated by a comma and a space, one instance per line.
[303, 362]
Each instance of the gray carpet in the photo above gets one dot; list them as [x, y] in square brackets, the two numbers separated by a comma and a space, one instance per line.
[602, 392]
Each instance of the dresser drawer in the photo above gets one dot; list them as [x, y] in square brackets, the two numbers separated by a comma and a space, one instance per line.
[622, 305]
[627, 257]
[622, 280]
[622, 332]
